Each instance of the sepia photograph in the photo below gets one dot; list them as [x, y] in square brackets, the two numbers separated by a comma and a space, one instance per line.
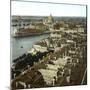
[48, 44]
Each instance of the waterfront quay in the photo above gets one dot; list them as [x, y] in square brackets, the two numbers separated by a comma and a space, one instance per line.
[59, 60]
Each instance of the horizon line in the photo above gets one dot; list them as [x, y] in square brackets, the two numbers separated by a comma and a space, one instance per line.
[48, 15]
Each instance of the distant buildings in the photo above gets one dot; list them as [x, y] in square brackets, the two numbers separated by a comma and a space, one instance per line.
[48, 20]
[19, 22]
[50, 23]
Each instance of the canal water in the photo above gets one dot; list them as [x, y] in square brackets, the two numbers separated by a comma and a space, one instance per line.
[21, 45]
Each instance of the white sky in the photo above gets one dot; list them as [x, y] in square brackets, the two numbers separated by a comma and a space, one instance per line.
[44, 9]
